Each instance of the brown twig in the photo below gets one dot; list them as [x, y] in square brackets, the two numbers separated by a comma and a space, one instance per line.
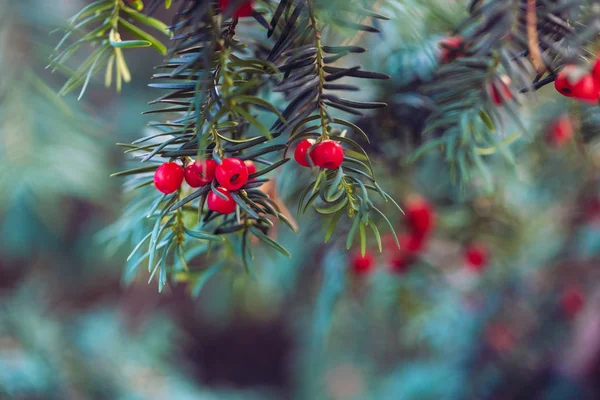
[532, 37]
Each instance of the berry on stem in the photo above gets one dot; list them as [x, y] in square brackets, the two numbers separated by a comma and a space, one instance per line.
[200, 172]
[217, 204]
[244, 8]
[360, 264]
[328, 154]
[450, 46]
[168, 177]
[476, 257]
[232, 173]
[301, 152]
[500, 89]
[573, 82]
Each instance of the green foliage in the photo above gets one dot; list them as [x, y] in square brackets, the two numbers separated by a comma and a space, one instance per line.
[100, 26]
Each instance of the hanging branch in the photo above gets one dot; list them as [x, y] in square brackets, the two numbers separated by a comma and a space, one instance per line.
[473, 92]
[309, 79]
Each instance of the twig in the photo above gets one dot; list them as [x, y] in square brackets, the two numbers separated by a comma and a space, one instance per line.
[532, 37]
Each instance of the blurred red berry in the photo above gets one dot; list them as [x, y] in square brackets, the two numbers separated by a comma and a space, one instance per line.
[499, 88]
[244, 8]
[410, 246]
[450, 46]
[572, 301]
[560, 132]
[499, 337]
[592, 209]
[168, 177]
[476, 257]
[361, 264]
[401, 263]
[596, 70]
[420, 216]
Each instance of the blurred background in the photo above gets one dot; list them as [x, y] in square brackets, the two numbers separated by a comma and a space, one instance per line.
[501, 301]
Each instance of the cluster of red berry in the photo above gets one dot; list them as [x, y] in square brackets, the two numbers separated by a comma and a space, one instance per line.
[327, 154]
[232, 174]
[420, 221]
[579, 83]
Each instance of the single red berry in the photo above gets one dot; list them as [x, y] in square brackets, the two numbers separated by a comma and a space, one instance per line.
[572, 82]
[217, 204]
[420, 216]
[200, 172]
[362, 264]
[250, 166]
[328, 154]
[244, 9]
[476, 257]
[168, 177]
[450, 46]
[502, 87]
[232, 173]
[560, 132]
[301, 152]
[572, 301]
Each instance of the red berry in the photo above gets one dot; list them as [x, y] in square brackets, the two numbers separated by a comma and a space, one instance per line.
[560, 132]
[250, 166]
[419, 216]
[244, 9]
[361, 264]
[500, 88]
[476, 257]
[217, 204]
[328, 154]
[200, 173]
[232, 173]
[168, 177]
[572, 301]
[300, 154]
[572, 82]
[403, 258]
[450, 46]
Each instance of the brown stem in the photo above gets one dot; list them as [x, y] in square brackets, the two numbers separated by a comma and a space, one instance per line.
[532, 37]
